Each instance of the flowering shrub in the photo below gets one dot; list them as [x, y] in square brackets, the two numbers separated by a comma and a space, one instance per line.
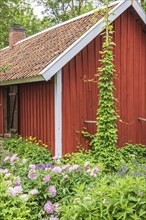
[63, 188]
[29, 148]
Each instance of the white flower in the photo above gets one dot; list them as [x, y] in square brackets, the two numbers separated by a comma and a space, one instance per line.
[25, 197]
[23, 161]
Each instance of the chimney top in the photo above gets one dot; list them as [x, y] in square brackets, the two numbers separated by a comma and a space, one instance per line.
[16, 34]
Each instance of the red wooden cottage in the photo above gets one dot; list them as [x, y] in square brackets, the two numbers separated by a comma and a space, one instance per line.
[47, 87]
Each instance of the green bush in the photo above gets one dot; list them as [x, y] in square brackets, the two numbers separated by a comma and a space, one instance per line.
[113, 198]
[25, 148]
[12, 207]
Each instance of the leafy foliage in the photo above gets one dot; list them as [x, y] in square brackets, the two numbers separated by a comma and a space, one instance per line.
[105, 139]
[12, 207]
[27, 149]
[63, 189]
[59, 10]
[18, 12]
[112, 198]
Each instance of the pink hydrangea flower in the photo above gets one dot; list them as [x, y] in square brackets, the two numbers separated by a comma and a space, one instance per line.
[52, 191]
[17, 181]
[46, 178]
[34, 192]
[94, 171]
[65, 166]
[49, 208]
[32, 166]
[13, 158]
[86, 164]
[32, 174]
[18, 189]
[6, 158]
[56, 170]
[4, 171]
[74, 167]
[14, 191]
[11, 191]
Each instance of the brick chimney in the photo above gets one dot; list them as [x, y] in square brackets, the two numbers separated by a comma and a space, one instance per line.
[16, 34]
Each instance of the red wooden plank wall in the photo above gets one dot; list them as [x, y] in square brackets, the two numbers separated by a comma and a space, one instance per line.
[1, 111]
[36, 111]
[80, 90]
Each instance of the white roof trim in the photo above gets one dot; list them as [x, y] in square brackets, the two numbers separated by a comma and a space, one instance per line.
[77, 46]
[139, 10]
[4, 48]
[24, 80]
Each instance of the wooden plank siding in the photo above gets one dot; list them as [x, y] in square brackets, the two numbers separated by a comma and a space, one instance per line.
[80, 91]
[36, 111]
[1, 112]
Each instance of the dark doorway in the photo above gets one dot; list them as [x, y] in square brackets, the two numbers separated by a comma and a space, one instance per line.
[11, 109]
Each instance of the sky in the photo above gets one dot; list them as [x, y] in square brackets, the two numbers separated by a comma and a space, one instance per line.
[39, 9]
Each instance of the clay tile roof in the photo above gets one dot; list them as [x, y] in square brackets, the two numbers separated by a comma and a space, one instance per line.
[29, 57]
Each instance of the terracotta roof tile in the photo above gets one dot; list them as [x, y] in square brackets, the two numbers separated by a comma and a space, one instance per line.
[30, 56]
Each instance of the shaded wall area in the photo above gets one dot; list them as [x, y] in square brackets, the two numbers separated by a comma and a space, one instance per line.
[36, 111]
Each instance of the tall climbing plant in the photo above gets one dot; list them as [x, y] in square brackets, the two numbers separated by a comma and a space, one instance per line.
[105, 138]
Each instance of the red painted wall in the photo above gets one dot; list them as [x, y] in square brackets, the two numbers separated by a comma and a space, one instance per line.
[1, 111]
[80, 91]
[36, 111]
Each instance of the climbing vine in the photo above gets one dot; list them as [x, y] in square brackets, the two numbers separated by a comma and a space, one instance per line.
[105, 139]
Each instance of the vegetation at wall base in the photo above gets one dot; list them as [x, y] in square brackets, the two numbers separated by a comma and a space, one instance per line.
[62, 188]
[29, 148]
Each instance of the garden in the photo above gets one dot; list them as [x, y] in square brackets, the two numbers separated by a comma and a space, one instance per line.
[36, 186]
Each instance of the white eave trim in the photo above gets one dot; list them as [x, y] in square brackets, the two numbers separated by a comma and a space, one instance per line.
[77, 46]
[139, 10]
[21, 81]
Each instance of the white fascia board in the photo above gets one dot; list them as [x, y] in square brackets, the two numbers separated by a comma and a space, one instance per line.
[85, 39]
[139, 10]
[21, 81]
[58, 113]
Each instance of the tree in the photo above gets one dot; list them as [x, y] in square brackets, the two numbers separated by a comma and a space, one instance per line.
[143, 3]
[62, 10]
[18, 12]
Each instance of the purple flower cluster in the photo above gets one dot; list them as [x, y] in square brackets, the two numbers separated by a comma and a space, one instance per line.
[45, 166]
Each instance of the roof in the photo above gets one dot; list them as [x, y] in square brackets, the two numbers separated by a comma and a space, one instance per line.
[40, 56]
